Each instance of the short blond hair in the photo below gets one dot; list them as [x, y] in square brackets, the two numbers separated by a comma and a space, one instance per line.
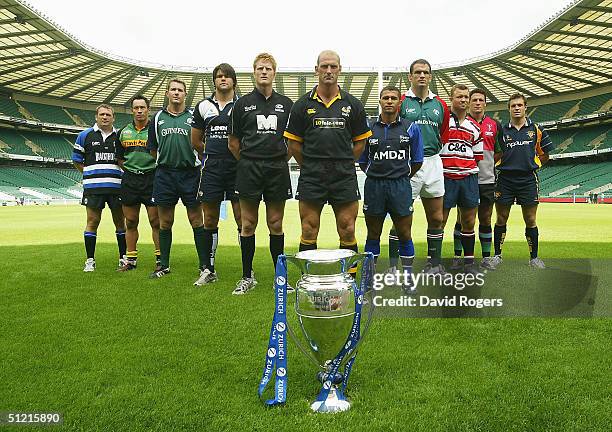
[176, 80]
[265, 57]
[108, 107]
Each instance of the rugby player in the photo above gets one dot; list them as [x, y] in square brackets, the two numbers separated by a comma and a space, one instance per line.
[95, 156]
[460, 154]
[177, 174]
[256, 139]
[423, 107]
[209, 131]
[137, 181]
[521, 149]
[490, 129]
[327, 132]
[392, 155]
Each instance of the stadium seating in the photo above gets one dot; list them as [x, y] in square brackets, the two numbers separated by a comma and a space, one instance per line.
[8, 107]
[48, 113]
[581, 139]
[15, 142]
[586, 176]
[52, 145]
[54, 183]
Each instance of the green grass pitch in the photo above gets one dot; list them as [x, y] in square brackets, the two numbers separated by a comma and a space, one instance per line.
[119, 352]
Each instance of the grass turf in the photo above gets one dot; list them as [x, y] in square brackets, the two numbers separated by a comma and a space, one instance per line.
[120, 352]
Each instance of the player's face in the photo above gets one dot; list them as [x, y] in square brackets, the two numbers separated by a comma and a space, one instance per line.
[264, 73]
[389, 102]
[478, 103]
[140, 112]
[328, 69]
[460, 100]
[104, 117]
[420, 76]
[223, 83]
[176, 93]
[517, 108]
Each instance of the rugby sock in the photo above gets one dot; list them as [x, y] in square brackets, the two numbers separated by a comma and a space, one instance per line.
[485, 234]
[457, 240]
[499, 234]
[374, 247]
[406, 252]
[393, 248]
[434, 245]
[165, 243]
[239, 231]
[468, 241]
[121, 243]
[157, 254]
[247, 247]
[132, 256]
[532, 240]
[307, 244]
[199, 240]
[277, 246]
[208, 248]
[90, 243]
[213, 251]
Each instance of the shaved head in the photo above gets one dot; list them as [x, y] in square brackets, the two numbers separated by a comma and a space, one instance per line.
[327, 53]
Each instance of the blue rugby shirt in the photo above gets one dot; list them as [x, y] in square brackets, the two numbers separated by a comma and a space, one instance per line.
[522, 147]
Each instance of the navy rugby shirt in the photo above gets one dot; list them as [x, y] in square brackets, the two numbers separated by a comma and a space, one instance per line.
[521, 147]
[214, 121]
[391, 149]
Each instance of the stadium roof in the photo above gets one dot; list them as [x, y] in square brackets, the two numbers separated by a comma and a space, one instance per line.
[570, 52]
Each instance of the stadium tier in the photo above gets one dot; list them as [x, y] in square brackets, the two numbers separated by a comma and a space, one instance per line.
[579, 179]
[582, 139]
[41, 183]
[47, 113]
[9, 108]
[29, 143]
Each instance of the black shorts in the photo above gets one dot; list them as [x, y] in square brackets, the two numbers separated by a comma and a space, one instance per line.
[333, 181]
[98, 201]
[261, 177]
[461, 192]
[218, 181]
[487, 194]
[173, 183]
[382, 196]
[519, 186]
[137, 189]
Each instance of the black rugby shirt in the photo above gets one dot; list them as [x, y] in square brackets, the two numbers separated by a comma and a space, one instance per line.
[328, 131]
[214, 121]
[259, 124]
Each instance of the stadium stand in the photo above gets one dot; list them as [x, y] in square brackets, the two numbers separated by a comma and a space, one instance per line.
[581, 138]
[52, 145]
[38, 182]
[47, 113]
[578, 179]
[8, 107]
[13, 142]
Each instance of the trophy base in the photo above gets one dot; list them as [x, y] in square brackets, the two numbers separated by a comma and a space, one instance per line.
[332, 404]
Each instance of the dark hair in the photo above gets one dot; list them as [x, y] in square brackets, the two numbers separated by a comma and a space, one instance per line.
[227, 70]
[390, 88]
[140, 97]
[479, 91]
[420, 61]
[458, 87]
[517, 96]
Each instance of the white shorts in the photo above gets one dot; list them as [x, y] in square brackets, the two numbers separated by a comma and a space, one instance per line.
[428, 182]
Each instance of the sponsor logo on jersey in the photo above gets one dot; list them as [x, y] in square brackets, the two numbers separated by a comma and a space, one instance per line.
[488, 133]
[189, 121]
[346, 111]
[95, 143]
[279, 108]
[161, 122]
[311, 111]
[250, 108]
[518, 143]
[390, 155]
[267, 125]
[105, 157]
[436, 111]
[411, 110]
[404, 139]
[174, 130]
[329, 123]
[373, 141]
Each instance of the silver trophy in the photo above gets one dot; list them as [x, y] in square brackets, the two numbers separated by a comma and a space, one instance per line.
[325, 312]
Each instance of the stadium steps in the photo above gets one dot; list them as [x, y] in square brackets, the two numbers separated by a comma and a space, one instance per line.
[594, 104]
[47, 113]
[563, 190]
[8, 107]
[15, 143]
[24, 112]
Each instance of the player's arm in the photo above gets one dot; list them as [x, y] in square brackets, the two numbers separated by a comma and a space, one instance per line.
[119, 149]
[294, 132]
[295, 147]
[78, 151]
[544, 145]
[152, 143]
[358, 147]
[197, 141]
[364, 159]
[417, 153]
[498, 144]
[233, 143]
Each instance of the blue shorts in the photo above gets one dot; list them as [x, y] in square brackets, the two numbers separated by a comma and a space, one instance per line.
[173, 183]
[218, 181]
[519, 186]
[462, 192]
[382, 196]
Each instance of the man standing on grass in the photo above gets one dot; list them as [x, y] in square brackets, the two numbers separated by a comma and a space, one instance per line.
[327, 132]
[94, 155]
[426, 109]
[521, 149]
[209, 133]
[490, 129]
[178, 173]
[137, 182]
[393, 154]
[256, 140]
[460, 155]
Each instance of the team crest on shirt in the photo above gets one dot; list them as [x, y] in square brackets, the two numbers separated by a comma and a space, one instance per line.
[530, 134]
[346, 111]
[436, 112]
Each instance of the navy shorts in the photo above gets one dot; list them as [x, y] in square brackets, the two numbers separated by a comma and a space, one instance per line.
[173, 183]
[520, 186]
[392, 196]
[328, 181]
[137, 189]
[218, 181]
[487, 194]
[462, 192]
[99, 201]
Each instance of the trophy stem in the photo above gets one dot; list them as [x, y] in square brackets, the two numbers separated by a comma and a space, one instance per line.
[332, 404]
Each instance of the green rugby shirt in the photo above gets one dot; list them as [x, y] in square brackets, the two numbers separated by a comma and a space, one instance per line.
[170, 136]
[132, 149]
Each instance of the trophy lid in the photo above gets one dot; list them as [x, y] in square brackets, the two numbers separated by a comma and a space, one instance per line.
[324, 255]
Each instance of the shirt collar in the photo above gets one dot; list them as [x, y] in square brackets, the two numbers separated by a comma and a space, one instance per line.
[96, 128]
[410, 94]
[528, 123]
[396, 121]
[314, 95]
